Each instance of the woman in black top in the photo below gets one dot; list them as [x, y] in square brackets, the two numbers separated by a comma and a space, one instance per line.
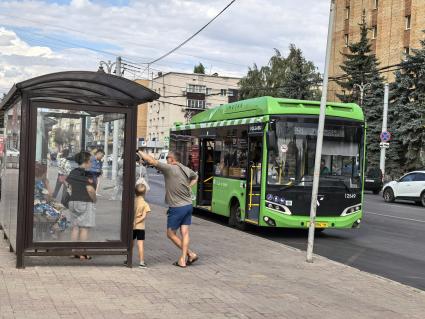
[82, 199]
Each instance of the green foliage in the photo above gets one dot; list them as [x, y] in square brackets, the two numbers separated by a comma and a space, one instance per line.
[287, 77]
[407, 110]
[199, 69]
[361, 70]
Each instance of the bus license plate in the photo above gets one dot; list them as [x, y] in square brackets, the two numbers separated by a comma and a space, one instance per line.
[319, 225]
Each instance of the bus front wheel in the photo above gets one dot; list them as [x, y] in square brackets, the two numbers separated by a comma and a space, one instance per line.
[235, 218]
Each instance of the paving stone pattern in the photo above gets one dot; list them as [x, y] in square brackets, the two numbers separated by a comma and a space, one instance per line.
[238, 275]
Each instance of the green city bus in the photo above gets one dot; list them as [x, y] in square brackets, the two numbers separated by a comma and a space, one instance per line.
[255, 160]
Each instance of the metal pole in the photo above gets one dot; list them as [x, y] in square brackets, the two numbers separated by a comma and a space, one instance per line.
[320, 129]
[115, 136]
[105, 147]
[384, 127]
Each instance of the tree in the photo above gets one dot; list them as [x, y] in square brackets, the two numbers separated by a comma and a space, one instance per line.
[407, 112]
[361, 72]
[289, 77]
[199, 69]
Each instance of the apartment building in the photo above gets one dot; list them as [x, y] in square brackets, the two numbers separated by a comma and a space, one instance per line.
[142, 118]
[396, 27]
[182, 96]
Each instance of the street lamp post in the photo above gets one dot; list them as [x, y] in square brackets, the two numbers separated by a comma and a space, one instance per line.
[319, 144]
[362, 87]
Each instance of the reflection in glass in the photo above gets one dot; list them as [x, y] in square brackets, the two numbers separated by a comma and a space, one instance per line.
[75, 195]
[10, 172]
[292, 163]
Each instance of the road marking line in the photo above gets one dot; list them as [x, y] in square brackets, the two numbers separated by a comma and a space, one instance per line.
[396, 217]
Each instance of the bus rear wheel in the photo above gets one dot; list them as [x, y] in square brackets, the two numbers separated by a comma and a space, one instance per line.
[235, 218]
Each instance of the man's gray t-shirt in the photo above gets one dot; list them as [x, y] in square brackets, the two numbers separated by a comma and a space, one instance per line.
[177, 178]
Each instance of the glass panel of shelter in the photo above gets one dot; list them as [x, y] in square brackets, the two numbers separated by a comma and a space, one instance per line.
[10, 171]
[77, 196]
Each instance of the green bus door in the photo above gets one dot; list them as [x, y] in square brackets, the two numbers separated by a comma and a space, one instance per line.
[206, 172]
[253, 187]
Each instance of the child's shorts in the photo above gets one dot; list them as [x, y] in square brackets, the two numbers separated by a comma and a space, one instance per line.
[139, 234]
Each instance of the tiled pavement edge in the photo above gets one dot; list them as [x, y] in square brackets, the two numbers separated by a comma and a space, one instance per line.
[239, 275]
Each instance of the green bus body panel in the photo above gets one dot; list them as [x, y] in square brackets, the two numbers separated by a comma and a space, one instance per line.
[276, 106]
[288, 221]
[224, 189]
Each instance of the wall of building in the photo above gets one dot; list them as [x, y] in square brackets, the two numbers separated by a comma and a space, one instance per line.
[180, 96]
[392, 38]
[142, 115]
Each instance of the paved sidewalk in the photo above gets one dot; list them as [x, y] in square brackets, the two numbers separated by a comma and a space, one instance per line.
[238, 276]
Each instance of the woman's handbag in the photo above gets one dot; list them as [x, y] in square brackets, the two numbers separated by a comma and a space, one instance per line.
[66, 195]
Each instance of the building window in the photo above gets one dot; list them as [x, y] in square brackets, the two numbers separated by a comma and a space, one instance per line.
[209, 91]
[408, 21]
[375, 4]
[196, 104]
[406, 50]
[374, 32]
[347, 13]
[192, 88]
[346, 40]
[223, 92]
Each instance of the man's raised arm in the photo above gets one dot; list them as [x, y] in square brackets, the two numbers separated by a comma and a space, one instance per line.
[149, 159]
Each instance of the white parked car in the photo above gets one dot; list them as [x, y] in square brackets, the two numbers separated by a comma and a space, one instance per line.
[409, 187]
[12, 152]
[162, 158]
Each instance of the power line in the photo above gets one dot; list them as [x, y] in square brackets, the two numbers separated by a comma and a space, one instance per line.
[192, 36]
[58, 27]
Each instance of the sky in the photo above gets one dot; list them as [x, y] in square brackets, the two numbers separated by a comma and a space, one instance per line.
[44, 36]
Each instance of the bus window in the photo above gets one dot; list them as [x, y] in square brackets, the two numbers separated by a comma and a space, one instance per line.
[231, 156]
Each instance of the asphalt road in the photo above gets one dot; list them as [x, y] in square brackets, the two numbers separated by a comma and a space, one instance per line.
[389, 243]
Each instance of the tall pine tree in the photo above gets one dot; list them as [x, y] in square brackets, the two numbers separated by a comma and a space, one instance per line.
[407, 111]
[361, 72]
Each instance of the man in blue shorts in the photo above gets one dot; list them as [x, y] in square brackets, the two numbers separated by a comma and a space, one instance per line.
[178, 195]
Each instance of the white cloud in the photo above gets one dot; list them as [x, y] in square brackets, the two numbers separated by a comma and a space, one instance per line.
[20, 61]
[246, 33]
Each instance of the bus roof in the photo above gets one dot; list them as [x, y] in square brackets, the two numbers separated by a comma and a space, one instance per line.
[267, 105]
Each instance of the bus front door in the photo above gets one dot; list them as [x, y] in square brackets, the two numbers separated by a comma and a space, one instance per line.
[253, 189]
[206, 173]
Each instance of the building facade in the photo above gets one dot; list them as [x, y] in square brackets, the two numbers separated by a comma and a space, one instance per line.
[396, 27]
[142, 118]
[182, 96]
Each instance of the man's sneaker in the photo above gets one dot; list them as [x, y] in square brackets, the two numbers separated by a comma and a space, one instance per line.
[143, 265]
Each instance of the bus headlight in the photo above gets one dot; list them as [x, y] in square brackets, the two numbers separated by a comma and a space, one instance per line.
[269, 221]
[351, 210]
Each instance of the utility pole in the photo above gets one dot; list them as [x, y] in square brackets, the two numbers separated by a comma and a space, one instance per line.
[384, 128]
[108, 65]
[316, 177]
[362, 87]
[115, 136]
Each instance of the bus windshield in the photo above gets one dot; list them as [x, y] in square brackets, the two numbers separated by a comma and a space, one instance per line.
[292, 163]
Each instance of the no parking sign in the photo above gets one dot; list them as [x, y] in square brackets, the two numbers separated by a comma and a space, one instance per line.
[385, 136]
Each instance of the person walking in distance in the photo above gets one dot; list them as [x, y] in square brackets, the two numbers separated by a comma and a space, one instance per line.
[64, 168]
[178, 195]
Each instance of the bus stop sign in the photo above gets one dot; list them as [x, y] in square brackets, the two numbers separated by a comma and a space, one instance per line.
[385, 137]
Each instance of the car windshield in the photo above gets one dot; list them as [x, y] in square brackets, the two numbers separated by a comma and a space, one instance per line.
[292, 163]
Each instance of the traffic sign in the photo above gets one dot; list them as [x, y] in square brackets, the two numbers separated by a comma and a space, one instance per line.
[384, 145]
[385, 136]
[284, 148]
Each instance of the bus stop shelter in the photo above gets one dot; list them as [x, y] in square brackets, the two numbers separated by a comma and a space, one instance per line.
[49, 119]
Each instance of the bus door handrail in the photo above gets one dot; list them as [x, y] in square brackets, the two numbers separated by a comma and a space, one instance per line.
[251, 194]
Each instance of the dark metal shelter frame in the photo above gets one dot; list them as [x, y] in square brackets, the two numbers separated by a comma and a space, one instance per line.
[91, 92]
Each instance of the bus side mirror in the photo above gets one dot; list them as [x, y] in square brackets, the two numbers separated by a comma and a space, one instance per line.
[272, 141]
